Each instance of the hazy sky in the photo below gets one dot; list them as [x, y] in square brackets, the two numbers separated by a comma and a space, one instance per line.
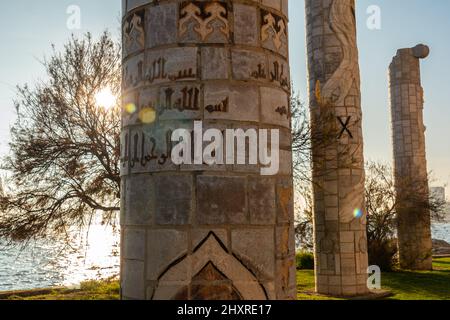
[27, 28]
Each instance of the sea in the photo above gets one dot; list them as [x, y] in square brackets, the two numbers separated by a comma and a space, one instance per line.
[93, 255]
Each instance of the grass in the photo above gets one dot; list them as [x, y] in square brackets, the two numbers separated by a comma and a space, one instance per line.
[405, 285]
[425, 285]
[89, 290]
[305, 286]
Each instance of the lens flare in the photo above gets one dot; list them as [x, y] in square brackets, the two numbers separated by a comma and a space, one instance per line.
[130, 108]
[147, 115]
[105, 98]
[358, 213]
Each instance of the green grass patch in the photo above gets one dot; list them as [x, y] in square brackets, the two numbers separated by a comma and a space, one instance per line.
[420, 285]
[405, 285]
[306, 286]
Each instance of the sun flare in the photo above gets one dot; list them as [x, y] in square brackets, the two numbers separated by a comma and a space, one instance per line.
[105, 98]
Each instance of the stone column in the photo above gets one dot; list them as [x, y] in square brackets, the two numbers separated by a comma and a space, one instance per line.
[338, 163]
[201, 231]
[411, 176]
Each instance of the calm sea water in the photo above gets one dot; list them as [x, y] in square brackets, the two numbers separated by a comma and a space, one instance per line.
[441, 231]
[92, 255]
[43, 266]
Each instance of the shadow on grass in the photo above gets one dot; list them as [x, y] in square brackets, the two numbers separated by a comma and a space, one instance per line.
[445, 264]
[405, 285]
[410, 285]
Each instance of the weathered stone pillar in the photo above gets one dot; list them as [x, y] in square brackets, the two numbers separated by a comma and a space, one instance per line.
[338, 162]
[201, 231]
[411, 176]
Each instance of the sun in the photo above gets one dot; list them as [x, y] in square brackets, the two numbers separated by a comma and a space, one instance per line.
[105, 98]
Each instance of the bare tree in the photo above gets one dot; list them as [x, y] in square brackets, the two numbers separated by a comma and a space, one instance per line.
[305, 140]
[301, 140]
[63, 165]
[380, 202]
[304, 233]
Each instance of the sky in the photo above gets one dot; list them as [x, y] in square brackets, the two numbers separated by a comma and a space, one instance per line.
[28, 28]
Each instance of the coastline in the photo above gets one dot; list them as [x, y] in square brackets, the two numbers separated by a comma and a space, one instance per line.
[403, 285]
[37, 287]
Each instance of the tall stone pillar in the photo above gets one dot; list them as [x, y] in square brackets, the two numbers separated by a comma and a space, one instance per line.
[338, 162]
[411, 176]
[221, 231]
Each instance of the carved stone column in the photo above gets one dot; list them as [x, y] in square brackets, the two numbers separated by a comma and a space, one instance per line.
[411, 176]
[200, 231]
[338, 163]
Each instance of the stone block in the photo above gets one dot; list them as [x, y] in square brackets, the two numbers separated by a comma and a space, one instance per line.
[347, 237]
[275, 107]
[274, 34]
[133, 280]
[285, 168]
[164, 248]
[124, 159]
[285, 201]
[161, 25]
[180, 102]
[249, 65]
[171, 291]
[133, 244]
[133, 4]
[123, 207]
[284, 277]
[262, 204]
[215, 63]
[173, 199]
[150, 147]
[204, 22]
[221, 200]
[247, 244]
[285, 7]
[285, 241]
[245, 25]
[133, 72]
[279, 73]
[140, 198]
[130, 113]
[274, 4]
[171, 65]
[134, 33]
[231, 102]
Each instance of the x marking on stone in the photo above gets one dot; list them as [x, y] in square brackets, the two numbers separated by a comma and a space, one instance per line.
[344, 124]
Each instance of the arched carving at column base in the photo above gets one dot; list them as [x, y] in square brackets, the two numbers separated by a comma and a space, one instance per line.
[216, 273]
